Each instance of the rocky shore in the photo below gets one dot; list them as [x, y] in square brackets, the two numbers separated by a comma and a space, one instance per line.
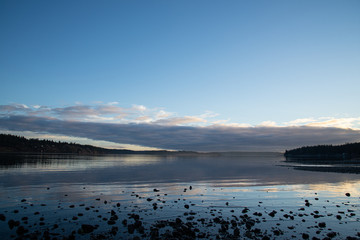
[103, 218]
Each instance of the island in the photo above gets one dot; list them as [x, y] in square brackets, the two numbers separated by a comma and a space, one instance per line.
[346, 151]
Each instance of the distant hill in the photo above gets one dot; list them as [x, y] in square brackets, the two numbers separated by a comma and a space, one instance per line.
[17, 144]
[345, 151]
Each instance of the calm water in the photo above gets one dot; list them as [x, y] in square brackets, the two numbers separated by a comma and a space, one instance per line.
[42, 190]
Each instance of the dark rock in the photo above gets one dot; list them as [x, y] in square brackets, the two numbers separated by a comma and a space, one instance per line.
[131, 228]
[87, 228]
[331, 234]
[272, 214]
[322, 224]
[21, 230]
[114, 230]
[71, 206]
[111, 222]
[305, 236]
[186, 206]
[2, 217]
[245, 210]
[13, 223]
[249, 224]
[156, 190]
[347, 194]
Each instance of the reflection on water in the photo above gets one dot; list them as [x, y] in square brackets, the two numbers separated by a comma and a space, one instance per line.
[242, 170]
[222, 186]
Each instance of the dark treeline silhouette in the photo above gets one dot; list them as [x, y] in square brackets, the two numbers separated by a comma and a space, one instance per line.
[345, 151]
[11, 143]
[18, 144]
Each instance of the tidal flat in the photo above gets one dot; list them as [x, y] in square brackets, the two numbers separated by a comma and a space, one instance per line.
[232, 196]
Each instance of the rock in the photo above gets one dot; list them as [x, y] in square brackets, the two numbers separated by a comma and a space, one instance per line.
[236, 232]
[114, 230]
[272, 214]
[186, 206]
[322, 224]
[131, 228]
[13, 223]
[347, 194]
[2, 217]
[21, 230]
[111, 222]
[331, 234]
[87, 228]
[156, 190]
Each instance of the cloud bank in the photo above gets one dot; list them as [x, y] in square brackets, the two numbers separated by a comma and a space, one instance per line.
[196, 138]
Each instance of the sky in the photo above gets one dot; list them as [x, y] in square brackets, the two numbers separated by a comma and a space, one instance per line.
[183, 75]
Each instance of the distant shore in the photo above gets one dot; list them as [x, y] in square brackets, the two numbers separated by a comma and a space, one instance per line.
[326, 152]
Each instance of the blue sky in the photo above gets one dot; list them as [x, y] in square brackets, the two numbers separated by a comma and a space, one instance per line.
[201, 64]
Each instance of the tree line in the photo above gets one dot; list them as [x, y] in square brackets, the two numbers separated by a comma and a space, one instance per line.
[348, 150]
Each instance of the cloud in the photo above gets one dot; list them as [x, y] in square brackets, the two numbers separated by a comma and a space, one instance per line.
[100, 112]
[140, 108]
[353, 123]
[14, 108]
[163, 114]
[211, 138]
[268, 124]
[139, 125]
[179, 120]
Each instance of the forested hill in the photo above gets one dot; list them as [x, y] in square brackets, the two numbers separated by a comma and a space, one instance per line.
[11, 143]
[17, 144]
[349, 150]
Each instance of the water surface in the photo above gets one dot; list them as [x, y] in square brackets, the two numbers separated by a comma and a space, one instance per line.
[221, 186]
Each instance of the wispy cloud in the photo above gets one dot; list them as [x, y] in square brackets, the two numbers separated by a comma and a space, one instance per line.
[179, 120]
[351, 122]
